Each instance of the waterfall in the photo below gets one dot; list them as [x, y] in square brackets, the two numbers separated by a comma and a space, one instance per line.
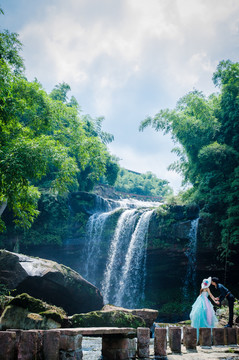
[91, 253]
[116, 263]
[189, 281]
[119, 244]
[131, 285]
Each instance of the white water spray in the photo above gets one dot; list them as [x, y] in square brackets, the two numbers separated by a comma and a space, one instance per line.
[189, 282]
[131, 285]
[123, 278]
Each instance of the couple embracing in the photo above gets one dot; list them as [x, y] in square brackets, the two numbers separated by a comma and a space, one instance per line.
[203, 314]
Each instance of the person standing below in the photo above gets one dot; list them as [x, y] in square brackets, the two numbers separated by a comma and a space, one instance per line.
[203, 314]
[224, 293]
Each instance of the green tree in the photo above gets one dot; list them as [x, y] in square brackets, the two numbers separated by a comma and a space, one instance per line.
[45, 143]
[9, 50]
[27, 150]
[207, 131]
[142, 184]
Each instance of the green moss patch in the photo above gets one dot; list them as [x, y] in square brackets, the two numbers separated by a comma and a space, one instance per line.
[50, 314]
[28, 302]
[107, 319]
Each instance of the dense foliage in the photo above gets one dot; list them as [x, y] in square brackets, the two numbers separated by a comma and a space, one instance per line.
[47, 145]
[142, 184]
[207, 129]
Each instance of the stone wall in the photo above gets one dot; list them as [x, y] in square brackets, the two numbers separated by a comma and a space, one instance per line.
[117, 344]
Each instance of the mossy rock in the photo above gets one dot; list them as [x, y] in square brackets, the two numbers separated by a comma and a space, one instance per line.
[51, 314]
[28, 302]
[40, 307]
[15, 317]
[4, 301]
[107, 319]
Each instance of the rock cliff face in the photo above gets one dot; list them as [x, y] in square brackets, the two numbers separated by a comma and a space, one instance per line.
[167, 288]
[49, 281]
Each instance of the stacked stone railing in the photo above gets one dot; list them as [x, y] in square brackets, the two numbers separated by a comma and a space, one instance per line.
[117, 343]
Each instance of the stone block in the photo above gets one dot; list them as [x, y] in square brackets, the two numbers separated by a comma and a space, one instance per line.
[116, 347]
[40, 355]
[231, 336]
[160, 342]
[8, 345]
[70, 345]
[28, 345]
[51, 344]
[71, 355]
[190, 338]
[174, 334]
[70, 342]
[205, 337]
[219, 336]
[143, 339]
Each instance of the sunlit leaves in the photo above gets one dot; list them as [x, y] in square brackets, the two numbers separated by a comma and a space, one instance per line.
[142, 184]
[44, 141]
[208, 130]
[9, 50]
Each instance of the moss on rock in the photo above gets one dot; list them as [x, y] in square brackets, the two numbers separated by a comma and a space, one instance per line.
[15, 317]
[28, 302]
[39, 307]
[4, 300]
[51, 314]
[108, 319]
[32, 304]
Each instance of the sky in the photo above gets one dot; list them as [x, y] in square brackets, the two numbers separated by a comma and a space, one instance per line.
[125, 60]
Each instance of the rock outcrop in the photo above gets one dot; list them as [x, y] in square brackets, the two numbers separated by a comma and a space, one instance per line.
[15, 317]
[107, 319]
[49, 281]
[25, 312]
[148, 315]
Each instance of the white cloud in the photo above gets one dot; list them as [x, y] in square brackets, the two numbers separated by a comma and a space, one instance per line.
[126, 59]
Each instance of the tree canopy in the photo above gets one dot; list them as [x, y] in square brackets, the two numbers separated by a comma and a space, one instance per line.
[46, 144]
[146, 184]
[206, 130]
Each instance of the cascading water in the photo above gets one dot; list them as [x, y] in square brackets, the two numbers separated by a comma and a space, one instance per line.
[94, 229]
[131, 285]
[123, 273]
[118, 247]
[92, 251]
[189, 281]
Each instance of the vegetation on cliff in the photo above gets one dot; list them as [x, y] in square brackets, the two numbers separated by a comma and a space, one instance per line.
[146, 184]
[207, 131]
[47, 144]
[48, 149]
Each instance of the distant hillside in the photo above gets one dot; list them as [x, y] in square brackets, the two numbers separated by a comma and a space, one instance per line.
[141, 186]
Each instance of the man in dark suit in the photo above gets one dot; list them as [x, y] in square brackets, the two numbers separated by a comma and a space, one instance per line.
[224, 293]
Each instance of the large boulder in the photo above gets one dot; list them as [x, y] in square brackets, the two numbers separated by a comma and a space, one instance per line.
[148, 315]
[49, 281]
[107, 319]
